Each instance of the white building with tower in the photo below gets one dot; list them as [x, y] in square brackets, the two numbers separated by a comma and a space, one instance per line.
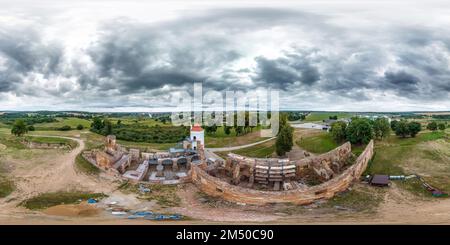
[197, 136]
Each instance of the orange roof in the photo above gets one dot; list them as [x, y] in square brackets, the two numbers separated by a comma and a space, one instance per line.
[196, 128]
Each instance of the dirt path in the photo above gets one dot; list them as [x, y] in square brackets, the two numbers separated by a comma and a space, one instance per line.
[56, 173]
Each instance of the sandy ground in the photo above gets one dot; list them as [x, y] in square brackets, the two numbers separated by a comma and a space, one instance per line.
[57, 173]
[54, 172]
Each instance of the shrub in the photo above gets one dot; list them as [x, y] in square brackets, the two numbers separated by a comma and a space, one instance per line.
[65, 128]
[432, 126]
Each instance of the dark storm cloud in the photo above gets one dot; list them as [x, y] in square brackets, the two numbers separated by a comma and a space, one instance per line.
[401, 82]
[127, 57]
[283, 72]
[138, 56]
[25, 53]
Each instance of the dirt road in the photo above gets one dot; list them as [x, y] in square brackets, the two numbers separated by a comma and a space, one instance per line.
[48, 173]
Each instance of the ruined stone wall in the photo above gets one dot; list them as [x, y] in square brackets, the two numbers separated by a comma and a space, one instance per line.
[36, 145]
[216, 187]
[331, 161]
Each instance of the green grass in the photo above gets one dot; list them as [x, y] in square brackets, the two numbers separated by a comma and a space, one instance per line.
[220, 139]
[47, 200]
[73, 122]
[320, 116]
[145, 145]
[164, 195]
[11, 141]
[263, 150]
[317, 144]
[6, 187]
[404, 156]
[84, 166]
[361, 199]
[52, 140]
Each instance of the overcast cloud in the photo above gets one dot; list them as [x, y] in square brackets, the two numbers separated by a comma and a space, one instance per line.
[135, 56]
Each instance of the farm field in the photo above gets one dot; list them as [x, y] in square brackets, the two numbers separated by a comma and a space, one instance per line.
[220, 139]
[320, 116]
[73, 122]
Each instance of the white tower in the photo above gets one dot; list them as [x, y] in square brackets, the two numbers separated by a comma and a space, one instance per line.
[197, 136]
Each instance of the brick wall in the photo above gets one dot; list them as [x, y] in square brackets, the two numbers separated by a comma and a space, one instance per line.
[216, 187]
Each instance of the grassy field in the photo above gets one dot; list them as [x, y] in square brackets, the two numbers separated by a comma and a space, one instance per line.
[322, 142]
[427, 155]
[263, 150]
[73, 122]
[47, 200]
[360, 198]
[220, 139]
[164, 195]
[51, 140]
[84, 166]
[320, 116]
[11, 141]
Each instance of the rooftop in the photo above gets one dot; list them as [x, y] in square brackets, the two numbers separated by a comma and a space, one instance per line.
[196, 128]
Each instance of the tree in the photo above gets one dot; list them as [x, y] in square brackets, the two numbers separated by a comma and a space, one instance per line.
[31, 128]
[19, 128]
[432, 126]
[441, 126]
[394, 124]
[80, 127]
[414, 128]
[285, 136]
[402, 128]
[359, 131]
[381, 127]
[284, 141]
[227, 130]
[97, 124]
[338, 131]
[107, 126]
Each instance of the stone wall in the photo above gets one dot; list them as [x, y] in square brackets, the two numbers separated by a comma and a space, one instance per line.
[327, 165]
[36, 145]
[216, 187]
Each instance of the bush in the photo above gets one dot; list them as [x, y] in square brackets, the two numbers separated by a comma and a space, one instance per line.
[80, 127]
[432, 126]
[65, 128]
[31, 128]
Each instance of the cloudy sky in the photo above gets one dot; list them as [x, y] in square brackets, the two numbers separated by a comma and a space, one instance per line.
[138, 56]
